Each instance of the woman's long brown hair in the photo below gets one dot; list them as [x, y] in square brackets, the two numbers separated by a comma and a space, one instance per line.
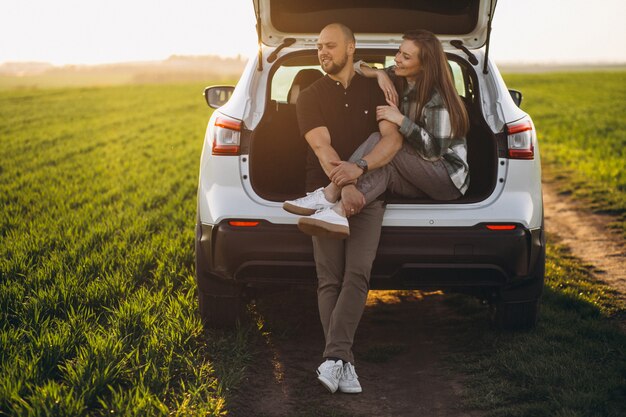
[434, 75]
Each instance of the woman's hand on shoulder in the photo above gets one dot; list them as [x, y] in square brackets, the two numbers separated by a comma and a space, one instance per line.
[387, 86]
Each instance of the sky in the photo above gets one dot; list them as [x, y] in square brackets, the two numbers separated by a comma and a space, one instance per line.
[66, 32]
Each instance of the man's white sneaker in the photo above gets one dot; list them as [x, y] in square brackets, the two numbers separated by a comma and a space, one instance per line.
[325, 223]
[349, 381]
[309, 204]
[329, 374]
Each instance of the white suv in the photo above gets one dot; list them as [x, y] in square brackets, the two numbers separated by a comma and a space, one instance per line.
[490, 243]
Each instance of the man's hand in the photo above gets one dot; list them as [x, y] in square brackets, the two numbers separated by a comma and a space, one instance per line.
[352, 200]
[319, 140]
[344, 173]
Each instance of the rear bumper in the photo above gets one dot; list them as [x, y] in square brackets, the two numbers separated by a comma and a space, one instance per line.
[408, 257]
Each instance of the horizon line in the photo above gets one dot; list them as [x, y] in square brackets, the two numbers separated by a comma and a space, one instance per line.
[244, 58]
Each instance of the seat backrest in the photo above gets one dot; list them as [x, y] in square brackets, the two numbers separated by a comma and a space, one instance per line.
[302, 80]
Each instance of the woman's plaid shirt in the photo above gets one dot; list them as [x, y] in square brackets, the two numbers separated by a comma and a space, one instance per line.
[431, 134]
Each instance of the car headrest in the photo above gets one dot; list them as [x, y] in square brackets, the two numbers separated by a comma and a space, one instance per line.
[302, 80]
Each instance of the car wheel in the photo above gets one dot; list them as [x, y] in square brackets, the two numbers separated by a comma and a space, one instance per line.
[511, 314]
[221, 312]
[516, 316]
[220, 301]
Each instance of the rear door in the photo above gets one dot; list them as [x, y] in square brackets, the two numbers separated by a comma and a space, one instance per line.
[375, 22]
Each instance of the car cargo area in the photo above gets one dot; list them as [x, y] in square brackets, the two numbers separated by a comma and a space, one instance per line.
[277, 150]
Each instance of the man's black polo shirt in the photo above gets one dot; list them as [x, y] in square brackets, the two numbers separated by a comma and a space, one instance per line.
[348, 114]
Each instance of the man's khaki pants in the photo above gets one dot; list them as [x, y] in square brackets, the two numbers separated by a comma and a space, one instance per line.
[343, 272]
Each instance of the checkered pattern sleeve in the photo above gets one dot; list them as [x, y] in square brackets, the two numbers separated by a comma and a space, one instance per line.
[431, 136]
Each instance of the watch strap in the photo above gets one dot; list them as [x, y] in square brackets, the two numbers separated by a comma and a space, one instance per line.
[362, 163]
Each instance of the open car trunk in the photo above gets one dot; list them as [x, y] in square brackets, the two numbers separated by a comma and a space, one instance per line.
[374, 22]
[278, 151]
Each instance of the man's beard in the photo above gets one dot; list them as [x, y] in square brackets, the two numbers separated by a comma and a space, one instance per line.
[335, 68]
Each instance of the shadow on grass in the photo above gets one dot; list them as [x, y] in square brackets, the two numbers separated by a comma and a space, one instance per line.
[572, 364]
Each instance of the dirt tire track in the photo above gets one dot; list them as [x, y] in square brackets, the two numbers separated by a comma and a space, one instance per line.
[413, 382]
[416, 381]
[589, 237]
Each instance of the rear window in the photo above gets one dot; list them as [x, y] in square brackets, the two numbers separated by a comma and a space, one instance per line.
[284, 76]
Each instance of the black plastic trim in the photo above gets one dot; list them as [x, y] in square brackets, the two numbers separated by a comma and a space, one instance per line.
[408, 257]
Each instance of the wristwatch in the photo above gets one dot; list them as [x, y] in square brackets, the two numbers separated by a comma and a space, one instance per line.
[362, 163]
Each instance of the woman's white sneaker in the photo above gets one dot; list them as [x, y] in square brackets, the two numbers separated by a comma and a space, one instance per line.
[325, 223]
[309, 204]
[329, 373]
[349, 381]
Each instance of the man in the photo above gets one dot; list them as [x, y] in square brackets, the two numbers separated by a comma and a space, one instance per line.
[336, 114]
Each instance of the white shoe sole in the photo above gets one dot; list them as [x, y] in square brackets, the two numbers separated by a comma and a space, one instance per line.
[327, 384]
[316, 227]
[351, 390]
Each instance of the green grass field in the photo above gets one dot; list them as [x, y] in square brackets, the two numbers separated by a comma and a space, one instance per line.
[97, 189]
[98, 312]
[581, 126]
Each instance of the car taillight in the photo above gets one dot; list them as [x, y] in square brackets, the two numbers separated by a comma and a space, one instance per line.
[520, 140]
[501, 226]
[243, 223]
[226, 136]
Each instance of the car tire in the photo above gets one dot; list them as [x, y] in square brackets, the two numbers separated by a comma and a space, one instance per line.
[220, 312]
[516, 316]
[220, 301]
[522, 315]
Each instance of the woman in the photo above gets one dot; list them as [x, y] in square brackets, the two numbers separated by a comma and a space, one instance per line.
[433, 120]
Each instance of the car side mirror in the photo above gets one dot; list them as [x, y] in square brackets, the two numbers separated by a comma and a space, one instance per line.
[516, 96]
[217, 95]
